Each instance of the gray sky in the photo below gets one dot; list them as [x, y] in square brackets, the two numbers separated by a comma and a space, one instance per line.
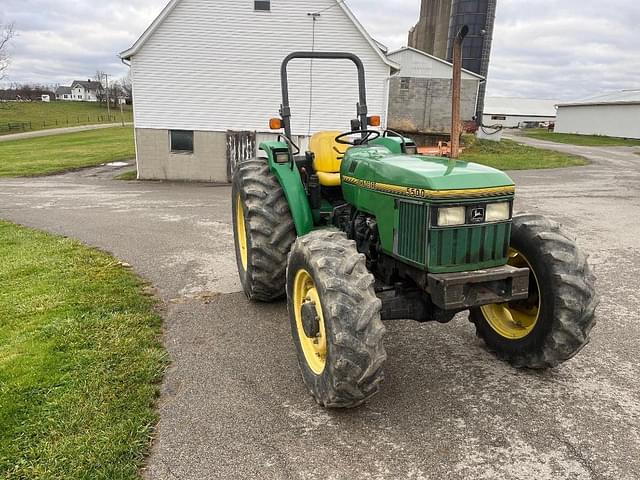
[556, 49]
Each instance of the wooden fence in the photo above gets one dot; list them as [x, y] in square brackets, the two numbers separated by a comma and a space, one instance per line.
[71, 121]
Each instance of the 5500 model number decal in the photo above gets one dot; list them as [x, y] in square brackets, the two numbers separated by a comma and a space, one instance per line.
[423, 193]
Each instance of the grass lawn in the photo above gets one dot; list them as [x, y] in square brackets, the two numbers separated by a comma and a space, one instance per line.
[509, 155]
[80, 361]
[46, 155]
[41, 115]
[582, 140]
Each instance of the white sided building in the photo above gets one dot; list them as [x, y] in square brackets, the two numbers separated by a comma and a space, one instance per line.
[510, 112]
[614, 114]
[206, 80]
[88, 91]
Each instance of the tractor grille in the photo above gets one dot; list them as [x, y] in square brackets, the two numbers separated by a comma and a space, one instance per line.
[468, 247]
[411, 234]
[478, 246]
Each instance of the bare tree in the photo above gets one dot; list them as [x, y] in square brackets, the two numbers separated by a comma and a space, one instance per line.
[100, 93]
[127, 87]
[7, 32]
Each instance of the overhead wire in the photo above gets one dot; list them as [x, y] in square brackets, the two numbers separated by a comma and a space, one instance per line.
[315, 16]
[331, 6]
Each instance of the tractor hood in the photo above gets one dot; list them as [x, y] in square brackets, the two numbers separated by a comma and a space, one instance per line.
[375, 164]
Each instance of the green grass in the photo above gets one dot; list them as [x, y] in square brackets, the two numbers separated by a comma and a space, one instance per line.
[582, 140]
[509, 155]
[41, 115]
[80, 361]
[128, 176]
[53, 154]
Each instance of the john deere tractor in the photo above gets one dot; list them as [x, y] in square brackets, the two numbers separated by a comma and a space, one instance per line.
[361, 229]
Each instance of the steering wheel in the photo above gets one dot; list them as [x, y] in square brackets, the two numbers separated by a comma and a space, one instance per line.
[369, 135]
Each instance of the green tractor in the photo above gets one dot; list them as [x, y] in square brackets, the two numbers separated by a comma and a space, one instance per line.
[362, 229]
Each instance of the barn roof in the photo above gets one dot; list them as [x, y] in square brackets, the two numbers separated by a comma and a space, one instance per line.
[432, 57]
[524, 107]
[623, 97]
[135, 48]
[87, 84]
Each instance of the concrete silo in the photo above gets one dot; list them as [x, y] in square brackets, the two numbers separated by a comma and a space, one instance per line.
[431, 33]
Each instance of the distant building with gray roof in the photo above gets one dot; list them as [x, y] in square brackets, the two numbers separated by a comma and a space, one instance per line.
[80, 91]
[614, 114]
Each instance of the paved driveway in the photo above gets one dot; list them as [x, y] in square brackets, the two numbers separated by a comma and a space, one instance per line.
[234, 406]
[59, 131]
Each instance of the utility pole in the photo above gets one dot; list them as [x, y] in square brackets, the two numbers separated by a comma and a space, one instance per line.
[106, 76]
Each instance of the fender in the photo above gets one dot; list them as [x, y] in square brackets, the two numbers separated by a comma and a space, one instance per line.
[292, 186]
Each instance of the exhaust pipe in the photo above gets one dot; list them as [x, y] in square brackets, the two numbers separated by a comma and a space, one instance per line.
[456, 127]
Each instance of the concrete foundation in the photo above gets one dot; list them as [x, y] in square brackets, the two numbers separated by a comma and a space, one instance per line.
[207, 163]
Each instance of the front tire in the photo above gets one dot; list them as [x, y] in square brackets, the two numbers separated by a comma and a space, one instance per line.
[263, 230]
[553, 324]
[335, 319]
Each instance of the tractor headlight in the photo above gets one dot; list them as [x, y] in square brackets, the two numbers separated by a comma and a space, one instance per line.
[411, 150]
[498, 211]
[282, 157]
[451, 216]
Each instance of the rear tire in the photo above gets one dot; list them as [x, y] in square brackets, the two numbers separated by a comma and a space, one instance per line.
[565, 303]
[261, 217]
[341, 362]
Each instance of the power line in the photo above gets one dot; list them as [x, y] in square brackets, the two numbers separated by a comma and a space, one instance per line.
[331, 6]
[315, 17]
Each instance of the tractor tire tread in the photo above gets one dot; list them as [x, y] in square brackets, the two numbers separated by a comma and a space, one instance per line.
[574, 304]
[270, 229]
[354, 309]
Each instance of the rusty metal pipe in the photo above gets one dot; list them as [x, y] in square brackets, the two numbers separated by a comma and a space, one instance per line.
[456, 126]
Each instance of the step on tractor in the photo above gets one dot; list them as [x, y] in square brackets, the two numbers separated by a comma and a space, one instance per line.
[361, 229]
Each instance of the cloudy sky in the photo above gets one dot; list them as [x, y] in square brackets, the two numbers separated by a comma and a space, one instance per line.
[555, 49]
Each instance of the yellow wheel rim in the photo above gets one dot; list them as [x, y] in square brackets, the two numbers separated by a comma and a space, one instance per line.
[515, 320]
[241, 232]
[314, 348]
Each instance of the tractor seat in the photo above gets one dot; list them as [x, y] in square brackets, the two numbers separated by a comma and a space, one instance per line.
[327, 161]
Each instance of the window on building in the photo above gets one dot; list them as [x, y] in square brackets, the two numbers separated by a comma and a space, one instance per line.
[405, 83]
[181, 141]
[498, 117]
[262, 5]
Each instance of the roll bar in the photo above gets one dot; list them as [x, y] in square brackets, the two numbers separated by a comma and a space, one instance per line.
[285, 109]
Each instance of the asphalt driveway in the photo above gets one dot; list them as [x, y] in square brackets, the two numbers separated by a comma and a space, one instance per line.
[234, 406]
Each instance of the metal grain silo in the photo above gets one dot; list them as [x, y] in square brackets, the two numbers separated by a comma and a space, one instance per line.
[479, 16]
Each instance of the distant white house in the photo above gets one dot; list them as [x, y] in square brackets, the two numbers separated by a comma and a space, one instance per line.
[80, 91]
[206, 80]
[63, 93]
[510, 112]
[86, 91]
[614, 114]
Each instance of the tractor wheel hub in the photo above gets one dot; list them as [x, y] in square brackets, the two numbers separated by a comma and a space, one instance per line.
[310, 320]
